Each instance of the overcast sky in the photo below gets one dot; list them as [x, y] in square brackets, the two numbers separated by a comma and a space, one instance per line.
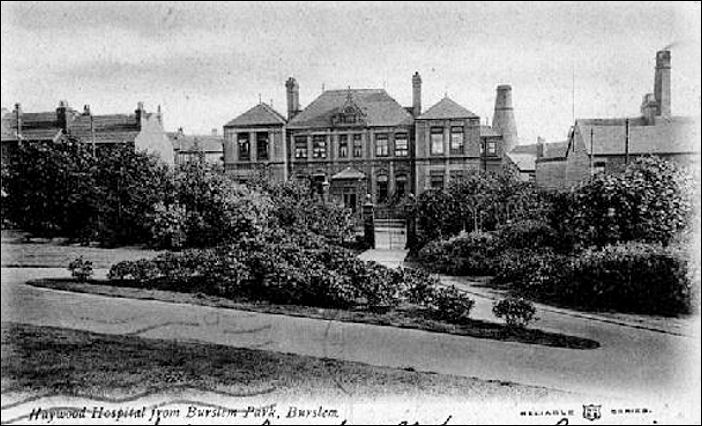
[206, 63]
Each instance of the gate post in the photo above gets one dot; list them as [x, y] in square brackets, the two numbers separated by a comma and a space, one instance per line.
[411, 242]
[368, 222]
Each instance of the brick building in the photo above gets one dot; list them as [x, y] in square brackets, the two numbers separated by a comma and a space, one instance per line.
[606, 145]
[142, 130]
[353, 142]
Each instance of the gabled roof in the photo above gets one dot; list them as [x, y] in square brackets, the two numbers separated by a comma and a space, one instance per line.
[531, 148]
[446, 109]
[260, 115]
[667, 135]
[206, 143]
[348, 173]
[379, 109]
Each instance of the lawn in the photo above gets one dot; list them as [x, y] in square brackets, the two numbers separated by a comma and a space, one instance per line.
[39, 360]
[403, 317]
[18, 253]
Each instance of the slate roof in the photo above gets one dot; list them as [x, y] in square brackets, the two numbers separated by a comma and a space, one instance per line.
[555, 149]
[206, 143]
[260, 115]
[348, 173]
[112, 128]
[379, 109]
[526, 162]
[667, 136]
[487, 131]
[35, 126]
[446, 109]
[525, 149]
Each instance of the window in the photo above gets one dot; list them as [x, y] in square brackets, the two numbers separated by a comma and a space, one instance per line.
[318, 181]
[262, 146]
[456, 140]
[599, 167]
[300, 146]
[492, 147]
[319, 146]
[382, 182]
[343, 146]
[437, 140]
[401, 145]
[357, 145]
[436, 180]
[381, 145]
[244, 146]
[400, 186]
[483, 142]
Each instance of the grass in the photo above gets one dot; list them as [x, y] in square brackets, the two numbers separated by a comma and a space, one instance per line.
[404, 317]
[52, 255]
[42, 360]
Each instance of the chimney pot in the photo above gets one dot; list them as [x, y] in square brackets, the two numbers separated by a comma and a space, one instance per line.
[86, 109]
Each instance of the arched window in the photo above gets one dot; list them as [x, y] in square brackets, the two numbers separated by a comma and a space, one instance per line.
[382, 188]
[400, 186]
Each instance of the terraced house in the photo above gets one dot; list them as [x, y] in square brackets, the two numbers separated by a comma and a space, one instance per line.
[354, 143]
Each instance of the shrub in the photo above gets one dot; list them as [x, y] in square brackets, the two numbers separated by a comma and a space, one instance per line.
[638, 277]
[452, 305]
[466, 254]
[533, 273]
[168, 226]
[420, 286]
[81, 269]
[528, 234]
[143, 271]
[517, 312]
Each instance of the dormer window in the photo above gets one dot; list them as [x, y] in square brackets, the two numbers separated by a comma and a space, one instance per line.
[349, 114]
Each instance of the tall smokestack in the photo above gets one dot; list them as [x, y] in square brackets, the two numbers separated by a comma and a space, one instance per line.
[416, 94]
[503, 120]
[661, 85]
[293, 95]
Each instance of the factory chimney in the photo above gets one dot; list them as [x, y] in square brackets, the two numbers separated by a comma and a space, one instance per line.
[293, 95]
[661, 84]
[503, 119]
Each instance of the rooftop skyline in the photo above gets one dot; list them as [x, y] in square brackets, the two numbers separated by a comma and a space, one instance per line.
[206, 63]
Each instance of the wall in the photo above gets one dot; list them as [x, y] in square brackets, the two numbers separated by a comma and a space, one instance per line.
[153, 138]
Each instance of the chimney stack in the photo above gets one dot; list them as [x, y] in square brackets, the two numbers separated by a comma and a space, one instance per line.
[86, 109]
[540, 147]
[62, 115]
[503, 120]
[140, 113]
[661, 85]
[214, 132]
[416, 94]
[293, 95]
[18, 118]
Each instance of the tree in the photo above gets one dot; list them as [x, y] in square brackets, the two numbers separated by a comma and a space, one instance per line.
[650, 201]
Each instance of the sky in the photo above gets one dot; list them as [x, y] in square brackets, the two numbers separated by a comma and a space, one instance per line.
[205, 63]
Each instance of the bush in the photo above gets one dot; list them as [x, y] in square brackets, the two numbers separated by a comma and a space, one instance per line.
[533, 273]
[81, 269]
[452, 305]
[636, 277]
[517, 312]
[420, 286]
[466, 254]
[529, 234]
